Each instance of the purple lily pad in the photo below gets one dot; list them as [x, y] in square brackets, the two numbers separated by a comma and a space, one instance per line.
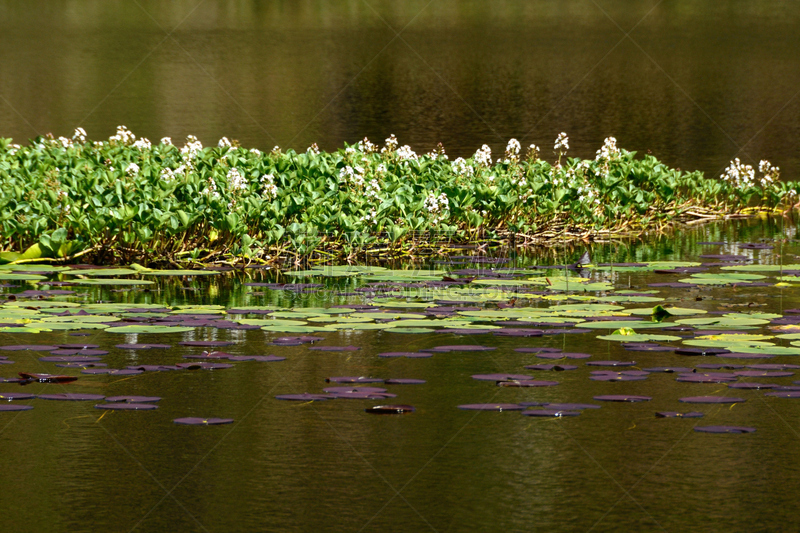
[47, 378]
[517, 332]
[616, 377]
[390, 409]
[16, 396]
[72, 352]
[460, 348]
[259, 358]
[527, 383]
[405, 354]
[646, 347]
[6, 362]
[710, 399]
[353, 379]
[669, 369]
[405, 381]
[491, 407]
[78, 347]
[565, 331]
[500, 377]
[556, 368]
[571, 406]
[15, 407]
[33, 347]
[305, 397]
[755, 246]
[69, 359]
[127, 406]
[536, 350]
[550, 412]
[622, 398]
[745, 356]
[763, 374]
[203, 421]
[773, 366]
[153, 368]
[720, 366]
[364, 395]
[563, 355]
[701, 351]
[673, 414]
[204, 366]
[787, 387]
[611, 363]
[133, 399]
[784, 394]
[143, 346]
[72, 397]
[724, 429]
[751, 386]
[335, 348]
[207, 344]
[462, 331]
[339, 390]
[112, 371]
[209, 356]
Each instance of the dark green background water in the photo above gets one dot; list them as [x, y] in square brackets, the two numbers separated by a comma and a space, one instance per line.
[696, 82]
[329, 466]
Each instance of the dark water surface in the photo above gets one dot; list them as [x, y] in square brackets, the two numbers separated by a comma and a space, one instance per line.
[329, 466]
[697, 83]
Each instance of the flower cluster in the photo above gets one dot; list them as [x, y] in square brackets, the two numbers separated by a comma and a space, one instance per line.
[366, 146]
[166, 141]
[373, 190]
[224, 143]
[533, 152]
[437, 153]
[191, 148]
[562, 143]
[352, 176]
[211, 189]
[123, 136]
[483, 157]
[770, 172]
[65, 143]
[739, 175]
[142, 144]
[437, 206]
[132, 170]
[79, 135]
[406, 153]
[608, 151]
[237, 180]
[268, 187]
[391, 144]
[462, 168]
[313, 149]
[512, 150]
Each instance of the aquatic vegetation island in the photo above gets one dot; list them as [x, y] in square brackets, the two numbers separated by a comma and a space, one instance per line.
[127, 199]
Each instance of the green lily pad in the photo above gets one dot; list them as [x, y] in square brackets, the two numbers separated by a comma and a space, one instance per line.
[727, 344]
[629, 299]
[23, 330]
[721, 321]
[21, 277]
[66, 325]
[271, 322]
[616, 324]
[180, 272]
[674, 311]
[731, 275]
[295, 329]
[113, 282]
[100, 272]
[410, 330]
[639, 337]
[80, 318]
[148, 329]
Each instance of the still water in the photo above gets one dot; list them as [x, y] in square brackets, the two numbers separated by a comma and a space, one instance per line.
[696, 83]
[330, 466]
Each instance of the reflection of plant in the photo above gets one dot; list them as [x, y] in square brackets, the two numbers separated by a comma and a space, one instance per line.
[138, 199]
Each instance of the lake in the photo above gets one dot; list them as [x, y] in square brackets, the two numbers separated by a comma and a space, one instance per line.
[321, 465]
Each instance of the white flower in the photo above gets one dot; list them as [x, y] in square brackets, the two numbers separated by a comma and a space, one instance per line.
[224, 143]
[167, 141]
[168, 175]
[313, 149]
[483, 157]
[79, 135]
[608, 151]
[236, 179]
[268, 187]
[66, 143]
[739, 175]
[512, 148]
[562, 142]
[366, 146]
[142, 144]
[132, 170]
[123, 136]
[391, 144]
[533, 152]
[192, 147]
[381, 169]
[255, 151]
[406, 153]
[437, 205]
[372, 216]
[462, 168]
[373, 190]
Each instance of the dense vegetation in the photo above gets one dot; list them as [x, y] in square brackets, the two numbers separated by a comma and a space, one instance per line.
[126, 199]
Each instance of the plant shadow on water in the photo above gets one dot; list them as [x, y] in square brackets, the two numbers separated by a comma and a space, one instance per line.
[199, 347]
